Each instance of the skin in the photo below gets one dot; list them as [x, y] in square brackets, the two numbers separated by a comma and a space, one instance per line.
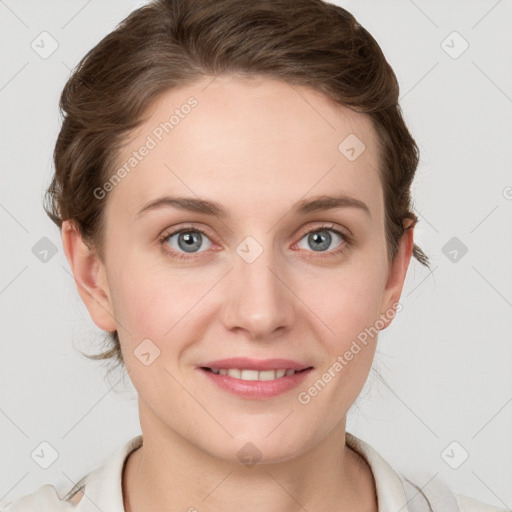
[257, 146]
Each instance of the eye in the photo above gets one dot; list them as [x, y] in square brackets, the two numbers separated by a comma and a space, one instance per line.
[320, 239]
[186, 240]
[190, 240]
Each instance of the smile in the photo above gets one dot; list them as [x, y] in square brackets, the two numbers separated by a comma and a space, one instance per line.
[254, 384]
[264, 375]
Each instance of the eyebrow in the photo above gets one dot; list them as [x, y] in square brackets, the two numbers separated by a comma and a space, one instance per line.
[302, 207]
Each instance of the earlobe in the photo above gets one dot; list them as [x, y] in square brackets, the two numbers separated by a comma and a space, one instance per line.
[397, 274]
[90, 277]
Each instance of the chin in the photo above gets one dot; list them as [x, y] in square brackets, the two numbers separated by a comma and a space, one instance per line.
[257, 446]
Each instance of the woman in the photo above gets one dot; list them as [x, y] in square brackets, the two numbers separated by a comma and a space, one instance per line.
[207, 149]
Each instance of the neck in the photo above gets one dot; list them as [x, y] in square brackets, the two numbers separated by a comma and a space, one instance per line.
[169, 473]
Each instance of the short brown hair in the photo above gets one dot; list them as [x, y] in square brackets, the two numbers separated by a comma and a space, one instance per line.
[171, 43]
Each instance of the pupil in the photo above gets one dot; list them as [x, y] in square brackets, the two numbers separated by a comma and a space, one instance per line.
[317, 237]
[189, 241]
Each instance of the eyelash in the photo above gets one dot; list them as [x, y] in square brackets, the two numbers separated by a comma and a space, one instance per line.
[347, 241]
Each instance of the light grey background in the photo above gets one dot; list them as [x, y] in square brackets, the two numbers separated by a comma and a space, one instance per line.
[446, 358]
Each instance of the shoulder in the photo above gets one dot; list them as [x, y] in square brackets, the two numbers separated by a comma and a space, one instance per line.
[43, 499]
[414, 489]
[467, 504]
[102, 487]
[436, 496]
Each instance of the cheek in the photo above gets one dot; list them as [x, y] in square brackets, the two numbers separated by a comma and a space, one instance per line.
[346, 302]
[154, 302]
[136, 298]
[348, 308]
[348, 305]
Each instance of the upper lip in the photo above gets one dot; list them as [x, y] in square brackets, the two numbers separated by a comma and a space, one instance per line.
[246, 363]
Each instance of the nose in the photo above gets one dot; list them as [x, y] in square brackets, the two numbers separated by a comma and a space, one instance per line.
[258, 299]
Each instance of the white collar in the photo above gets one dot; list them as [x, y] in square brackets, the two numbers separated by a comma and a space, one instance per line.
[104, 485]
[390, 492]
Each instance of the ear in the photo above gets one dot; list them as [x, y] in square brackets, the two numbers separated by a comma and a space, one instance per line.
[397, 272]
[90, 277]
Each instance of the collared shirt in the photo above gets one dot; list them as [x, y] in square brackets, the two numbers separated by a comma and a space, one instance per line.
[102, 488]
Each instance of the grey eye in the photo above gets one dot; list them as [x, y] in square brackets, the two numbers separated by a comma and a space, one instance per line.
[319, 240]
[188, 241]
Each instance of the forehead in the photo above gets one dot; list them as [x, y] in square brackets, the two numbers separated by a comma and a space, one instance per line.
[248, 142]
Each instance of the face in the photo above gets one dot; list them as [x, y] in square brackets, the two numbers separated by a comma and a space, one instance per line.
[263, 276]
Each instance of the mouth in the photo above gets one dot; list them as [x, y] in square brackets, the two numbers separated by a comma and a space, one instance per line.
[255, 379]
[253, 374]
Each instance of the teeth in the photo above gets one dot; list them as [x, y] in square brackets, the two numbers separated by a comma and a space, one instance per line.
[253, 374]
[248, 375]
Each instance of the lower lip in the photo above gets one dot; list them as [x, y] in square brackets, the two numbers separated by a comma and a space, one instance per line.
[257, 388]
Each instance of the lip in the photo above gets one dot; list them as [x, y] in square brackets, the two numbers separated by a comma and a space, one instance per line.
[256, 388]
[246, 363]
